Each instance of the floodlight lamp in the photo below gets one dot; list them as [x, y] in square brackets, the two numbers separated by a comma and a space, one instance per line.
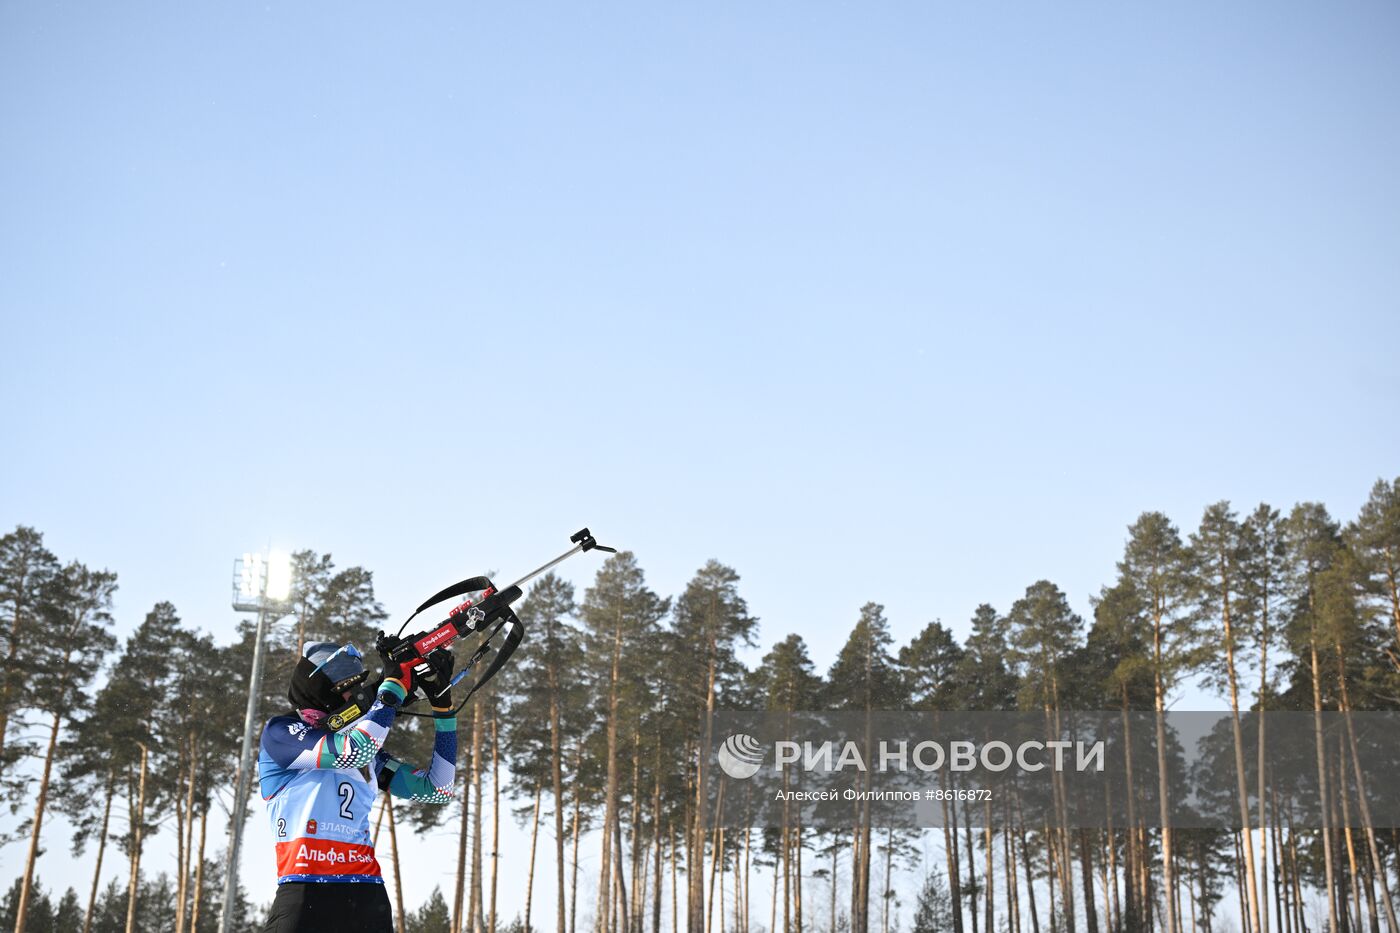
[279, 577]
[250, 576]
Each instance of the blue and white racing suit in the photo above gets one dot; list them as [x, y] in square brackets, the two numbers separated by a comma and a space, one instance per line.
[320, 785]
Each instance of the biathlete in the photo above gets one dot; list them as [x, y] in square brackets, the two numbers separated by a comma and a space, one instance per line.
[320, 768]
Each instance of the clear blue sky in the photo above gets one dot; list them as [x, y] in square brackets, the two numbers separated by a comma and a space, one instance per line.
[916, 303]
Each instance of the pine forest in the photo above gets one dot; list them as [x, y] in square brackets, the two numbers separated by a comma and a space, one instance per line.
[590, 743]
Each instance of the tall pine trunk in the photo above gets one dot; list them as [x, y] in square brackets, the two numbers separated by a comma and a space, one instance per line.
[573, 880]
[1163, 799]
[1353, 865]
[989, 869]
[398, 866]
[557, 777]
[101, 849]
[187, 839]
[199, 870]
[1259, 776]
[675, 885]
[530, 872]
[950, 855]
[621, 917]
[1086, 868]
[656, 831]
[1030, 880]
[635, 924]
[1321, 755]
[696, 863]
[888, 893]
[22, 909]
[137, 833]
[1296, 872]
[716, 848]
[495, 818]
[1008, 870]
[605, 880]
[748, 877]
[797, 863]
[971, 868]
[180, 846]
[1242, 792]
[1367, 823]
[463, 831]
[475, 910]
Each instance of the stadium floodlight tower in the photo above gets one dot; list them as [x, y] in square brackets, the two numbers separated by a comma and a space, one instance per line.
[261, 584]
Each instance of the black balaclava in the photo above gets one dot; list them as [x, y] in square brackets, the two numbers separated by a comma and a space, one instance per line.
[320, 690]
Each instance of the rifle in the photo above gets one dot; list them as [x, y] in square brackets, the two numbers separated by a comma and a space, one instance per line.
[486, 611]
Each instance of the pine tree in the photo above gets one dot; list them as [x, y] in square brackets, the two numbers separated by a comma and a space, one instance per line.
[865, 678]
[786, 681]
[1347, 629]
[431, 917]
[930, 665]
[711, 622]
[135, 715]
[90, 768]
[934, 912]
[76, 611]
[621, 615]
[68, 914]
[1314, 542]
[1216, 555]
[985, 680]
[40, 913]
[1263, 565]
[1375, 540]
[1155, 564]
[1045, 634]
[27, 571]
[201, 733]
[549, 705]
[1119, 666]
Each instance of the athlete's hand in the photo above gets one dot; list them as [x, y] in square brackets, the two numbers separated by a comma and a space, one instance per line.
[434, 677]
[401, 674]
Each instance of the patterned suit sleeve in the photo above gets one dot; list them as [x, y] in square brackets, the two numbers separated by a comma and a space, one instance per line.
[435, 783]
[303, 748]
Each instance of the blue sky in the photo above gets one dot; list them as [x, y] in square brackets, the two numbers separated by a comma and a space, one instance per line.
[917, 303]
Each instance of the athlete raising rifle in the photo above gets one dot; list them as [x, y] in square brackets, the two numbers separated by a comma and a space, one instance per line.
[319, 784]
[321, 765]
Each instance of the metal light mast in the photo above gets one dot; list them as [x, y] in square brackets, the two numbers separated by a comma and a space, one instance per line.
[260, 584]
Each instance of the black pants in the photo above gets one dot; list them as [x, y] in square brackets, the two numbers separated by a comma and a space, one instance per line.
[329, 907]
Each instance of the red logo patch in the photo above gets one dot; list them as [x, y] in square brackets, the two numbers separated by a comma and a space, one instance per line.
[325, 857]
[431, 641]
[311, 827]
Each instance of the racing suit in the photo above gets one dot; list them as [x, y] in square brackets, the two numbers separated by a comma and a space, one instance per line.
[319, 787]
